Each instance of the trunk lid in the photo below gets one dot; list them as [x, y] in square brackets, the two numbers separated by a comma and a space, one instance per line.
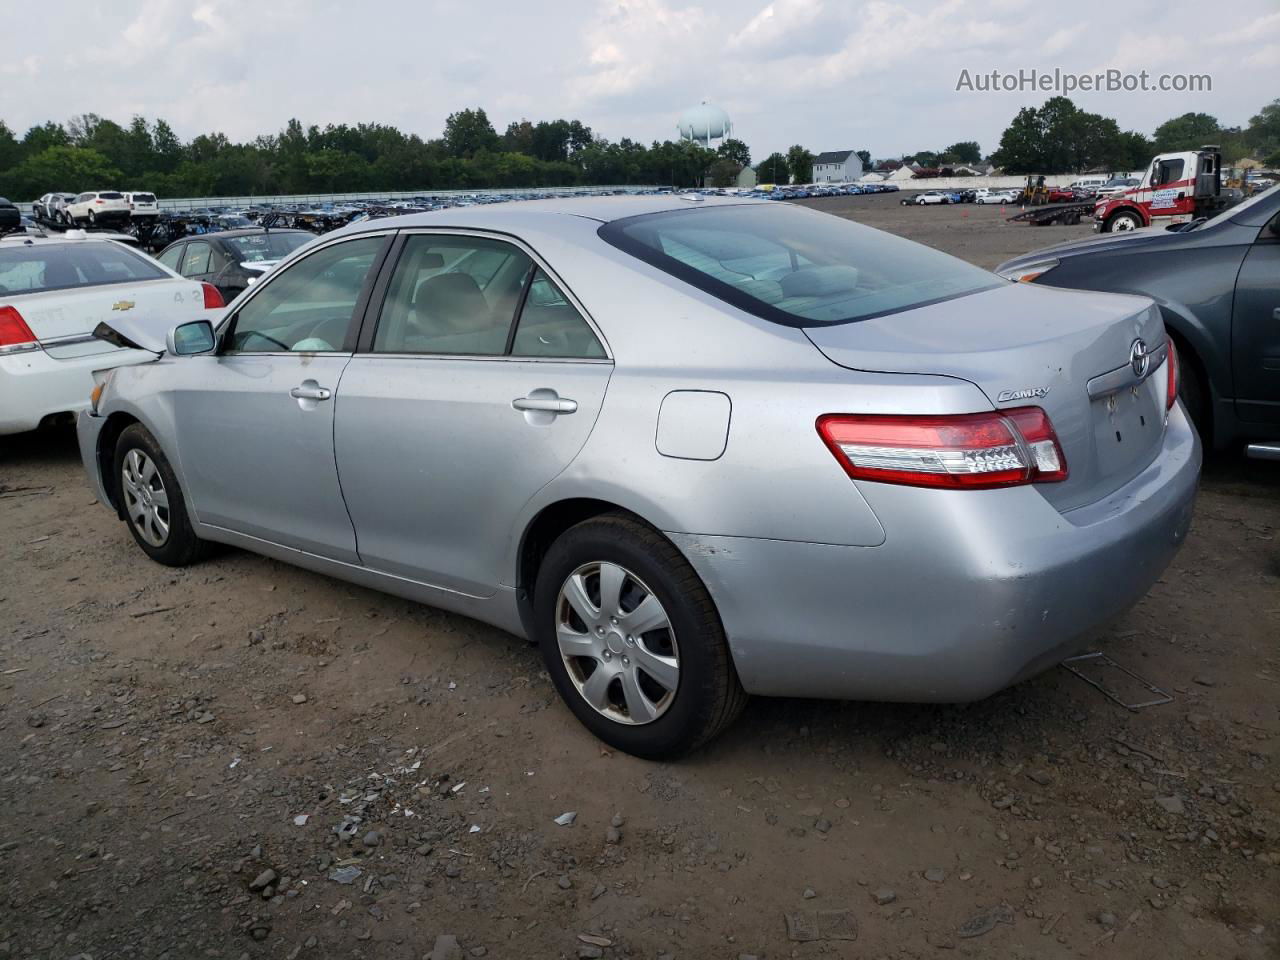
[143, 311]
[1024, 345]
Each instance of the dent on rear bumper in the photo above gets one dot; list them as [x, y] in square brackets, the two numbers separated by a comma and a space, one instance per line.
[970, 592]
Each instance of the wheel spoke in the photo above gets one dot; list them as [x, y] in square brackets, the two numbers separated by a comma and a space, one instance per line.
[160, 498]
[649, 615]
[160, 524]
[612, 577]
[596, 689]
[664, 670]
[574, 644]
[638, 705]
[575, 591]
[148, 469]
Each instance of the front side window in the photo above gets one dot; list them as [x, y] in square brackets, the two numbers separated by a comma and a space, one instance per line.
[452, 295]
[310, 304]
[795, 266]
[1168, 171]
[78, 263]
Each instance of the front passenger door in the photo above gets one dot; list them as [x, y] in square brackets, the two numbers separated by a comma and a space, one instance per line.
[255, 422]
[1255, 330]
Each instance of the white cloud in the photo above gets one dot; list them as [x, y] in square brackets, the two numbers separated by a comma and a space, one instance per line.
[874, 74]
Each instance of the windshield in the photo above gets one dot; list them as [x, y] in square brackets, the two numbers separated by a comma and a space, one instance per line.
[265, 246]
[64, 266]
[795, 266]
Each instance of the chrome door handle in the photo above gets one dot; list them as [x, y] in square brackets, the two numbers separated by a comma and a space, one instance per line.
[546, 404]
[304, 392]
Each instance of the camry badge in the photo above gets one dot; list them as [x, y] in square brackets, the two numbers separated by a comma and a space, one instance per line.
[123, 305]
[1139, 358]
[1026, 393]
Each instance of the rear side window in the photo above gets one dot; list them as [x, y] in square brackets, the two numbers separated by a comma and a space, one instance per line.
[196, 260]
[795, 266]
[551, 326]
[66, 266]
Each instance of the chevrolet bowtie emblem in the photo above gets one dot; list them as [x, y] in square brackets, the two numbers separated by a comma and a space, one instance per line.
[123, 305]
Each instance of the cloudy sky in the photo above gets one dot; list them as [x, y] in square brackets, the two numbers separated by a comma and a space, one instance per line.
[860, 74]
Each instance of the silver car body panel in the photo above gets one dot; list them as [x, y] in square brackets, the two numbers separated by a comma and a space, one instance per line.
[817, 578]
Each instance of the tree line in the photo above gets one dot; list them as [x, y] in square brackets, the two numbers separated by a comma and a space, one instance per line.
[1059, 137]
[92, 152]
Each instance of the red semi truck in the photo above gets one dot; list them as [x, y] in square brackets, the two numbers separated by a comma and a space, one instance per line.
[1177, 187]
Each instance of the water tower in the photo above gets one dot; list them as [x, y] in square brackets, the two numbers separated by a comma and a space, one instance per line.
[704, 123]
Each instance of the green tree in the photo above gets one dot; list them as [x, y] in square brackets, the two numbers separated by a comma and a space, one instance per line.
[1187, 132]
[800, 164]
[1263, 133]
[59, 168]
[865, 157]
[966, 151]
[773, 169]
[43, 137]
[10, 148]
[724, 172]
[735, 150]
[469, 131]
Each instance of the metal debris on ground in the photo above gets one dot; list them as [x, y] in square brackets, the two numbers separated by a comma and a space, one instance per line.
[804, 926]
[983, 923]
[1102, 660]
[566, 819]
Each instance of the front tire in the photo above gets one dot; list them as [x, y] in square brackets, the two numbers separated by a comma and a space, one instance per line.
[632, 639]
[152, 501]
[1122, 222]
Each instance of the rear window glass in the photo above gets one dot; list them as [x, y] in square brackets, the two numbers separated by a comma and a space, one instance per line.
[795, 266]
[266, 246]
[68, 265]
[144, 198]
[111, 196]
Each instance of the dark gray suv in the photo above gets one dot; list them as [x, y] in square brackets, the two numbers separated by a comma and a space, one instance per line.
[1217, 283]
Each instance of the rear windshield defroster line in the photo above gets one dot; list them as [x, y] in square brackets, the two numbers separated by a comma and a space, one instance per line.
[794, 266]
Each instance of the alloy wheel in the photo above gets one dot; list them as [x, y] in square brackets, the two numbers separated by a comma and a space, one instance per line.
[617, 643]
[145, 499]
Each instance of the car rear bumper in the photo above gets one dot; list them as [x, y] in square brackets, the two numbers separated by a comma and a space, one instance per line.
[34, 385]
[970, 592]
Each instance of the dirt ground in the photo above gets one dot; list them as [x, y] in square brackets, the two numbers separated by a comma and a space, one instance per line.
[245, 760]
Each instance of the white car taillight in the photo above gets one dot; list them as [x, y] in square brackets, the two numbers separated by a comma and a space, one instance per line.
[15, 335]
[972, 451]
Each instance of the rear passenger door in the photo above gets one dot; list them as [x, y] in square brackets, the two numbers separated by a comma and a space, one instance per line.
[478, 384]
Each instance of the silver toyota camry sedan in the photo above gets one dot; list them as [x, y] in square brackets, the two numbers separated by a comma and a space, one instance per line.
[695, 449]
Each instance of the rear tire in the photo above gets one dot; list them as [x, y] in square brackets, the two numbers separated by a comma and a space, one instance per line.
[152, 501]
[699, 693]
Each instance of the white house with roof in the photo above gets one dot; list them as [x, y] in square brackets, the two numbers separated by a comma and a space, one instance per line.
[837, 166]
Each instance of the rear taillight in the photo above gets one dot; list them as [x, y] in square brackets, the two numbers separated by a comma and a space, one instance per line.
[212, 298]
[1171, 377]
[973, 451]
[15, 335]
[99, 201]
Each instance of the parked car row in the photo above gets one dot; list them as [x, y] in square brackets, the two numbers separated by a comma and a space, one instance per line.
[95, 208]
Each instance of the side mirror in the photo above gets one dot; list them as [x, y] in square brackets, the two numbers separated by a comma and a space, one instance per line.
[191, 339]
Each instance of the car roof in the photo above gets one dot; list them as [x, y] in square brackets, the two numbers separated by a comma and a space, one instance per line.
[35, 239]
[511, 213]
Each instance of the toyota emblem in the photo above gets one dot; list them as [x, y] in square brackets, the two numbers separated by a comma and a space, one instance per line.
[1139, 359]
